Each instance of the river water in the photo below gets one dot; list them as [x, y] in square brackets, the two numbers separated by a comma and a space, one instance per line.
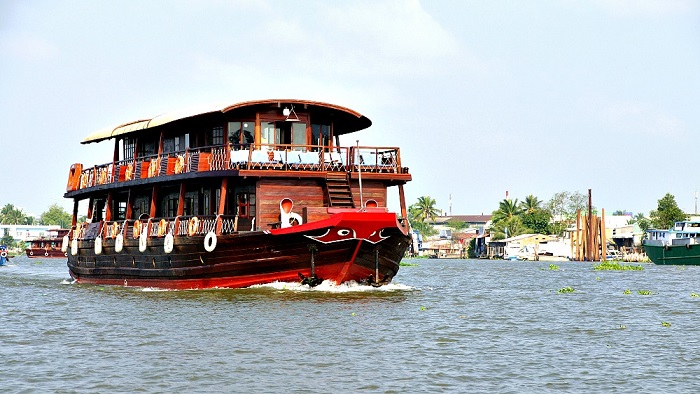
[442, 326]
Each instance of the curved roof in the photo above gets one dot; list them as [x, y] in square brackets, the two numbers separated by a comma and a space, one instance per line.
[348, 120]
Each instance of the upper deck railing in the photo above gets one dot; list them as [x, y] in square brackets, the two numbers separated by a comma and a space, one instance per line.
[253, 157]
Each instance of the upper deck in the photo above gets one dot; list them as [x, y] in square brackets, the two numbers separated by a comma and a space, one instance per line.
[266, 138]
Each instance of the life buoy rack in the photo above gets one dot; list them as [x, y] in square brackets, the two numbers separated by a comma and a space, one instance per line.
[162, 226]
[137, 228]
[119, 243]
[168, 243]
[114, 230]
[210, 241]
[193, 226]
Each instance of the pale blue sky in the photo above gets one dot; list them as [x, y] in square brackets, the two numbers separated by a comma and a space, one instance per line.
[483, 97]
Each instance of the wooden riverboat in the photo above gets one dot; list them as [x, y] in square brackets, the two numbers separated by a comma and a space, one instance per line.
[238, 195]
[49, 246]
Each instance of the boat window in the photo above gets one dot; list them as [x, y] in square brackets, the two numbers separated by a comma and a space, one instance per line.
[245, 202]
[174, 144]
[298, 133]
[128, 145]
[241, 134]
[142, 205]
[320, 134]
[269, 134]
[147, 148]
[191, 204]
[217, 136]
[169, 204]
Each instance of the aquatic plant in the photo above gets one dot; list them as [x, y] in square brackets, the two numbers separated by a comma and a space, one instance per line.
[644, 292]
[402, 264]
[665, 324]
[695, 295]
[567, 289]
[423, 308]
[622, 327]
[615, 266]
[627, 291]
[553, 267]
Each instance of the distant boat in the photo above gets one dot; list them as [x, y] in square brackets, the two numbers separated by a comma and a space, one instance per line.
[679, 245]
[238, 195]
[4, 257]
[50, 246]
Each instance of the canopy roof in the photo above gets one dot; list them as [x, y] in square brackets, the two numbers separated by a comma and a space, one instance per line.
[347, 120]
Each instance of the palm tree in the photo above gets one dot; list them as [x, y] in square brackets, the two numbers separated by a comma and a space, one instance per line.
[11, 215]
[424, 209]
[531, 204]
[507, 209]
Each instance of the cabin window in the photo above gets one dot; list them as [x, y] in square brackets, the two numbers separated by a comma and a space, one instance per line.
[320, 134]
[175, 144]
[147, 148]
[142, 205]
[191, 204]
[241, 134]
[284, 133]
[217, 135]
[129, 144]
[245, 202]
[169, 204]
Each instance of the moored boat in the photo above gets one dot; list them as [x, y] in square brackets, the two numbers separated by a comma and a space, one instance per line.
[49, 246]
[679, 245]
[238, 195]
[4, 257]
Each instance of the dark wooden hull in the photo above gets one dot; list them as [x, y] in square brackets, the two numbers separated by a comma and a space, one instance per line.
[245, 259]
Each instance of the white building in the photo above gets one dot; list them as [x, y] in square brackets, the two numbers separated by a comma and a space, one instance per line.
[24, 232]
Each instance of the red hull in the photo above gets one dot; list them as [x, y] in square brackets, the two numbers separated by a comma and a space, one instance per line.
[351, 246]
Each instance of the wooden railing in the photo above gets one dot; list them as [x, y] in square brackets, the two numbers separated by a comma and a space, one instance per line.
[253, 157]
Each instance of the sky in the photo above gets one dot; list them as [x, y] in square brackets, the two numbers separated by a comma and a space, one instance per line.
[483, 98]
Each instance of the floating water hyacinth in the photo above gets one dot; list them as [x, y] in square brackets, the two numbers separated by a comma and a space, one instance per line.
[567, 289]
[644, 292]
[615, 266]
[627, 291]
[665, 324]
[553, 267]
[695, 295]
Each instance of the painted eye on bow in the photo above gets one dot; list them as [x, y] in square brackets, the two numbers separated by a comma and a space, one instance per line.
[343, 232]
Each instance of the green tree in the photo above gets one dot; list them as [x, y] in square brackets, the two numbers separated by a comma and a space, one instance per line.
[425, 208]
[11, 215]
[507, 228]
[530, 204]
[6, 239]
[56, 215]
[507, 209]
[419, 212]
[666, 213]
[537, 220]
[456, 225]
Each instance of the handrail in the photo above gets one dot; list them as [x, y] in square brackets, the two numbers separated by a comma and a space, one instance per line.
[277, 157]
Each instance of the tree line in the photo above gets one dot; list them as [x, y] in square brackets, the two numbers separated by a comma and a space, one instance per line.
[534, 216]
[54, 215]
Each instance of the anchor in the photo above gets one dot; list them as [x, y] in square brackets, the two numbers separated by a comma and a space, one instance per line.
[312, 280]
[373, 279]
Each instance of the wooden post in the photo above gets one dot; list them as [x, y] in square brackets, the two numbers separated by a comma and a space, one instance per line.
[590, 226]
[603, 236]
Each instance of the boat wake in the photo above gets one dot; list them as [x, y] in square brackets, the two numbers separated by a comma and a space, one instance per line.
[329, 286]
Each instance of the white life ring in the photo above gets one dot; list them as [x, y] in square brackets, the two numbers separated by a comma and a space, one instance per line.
[64, 245]
[46, 253]
[3, 254]
[98, 245]
[74, 247]
[31, 253]
[210, 242]
[119, 243]
[168, 243]
[143, 242]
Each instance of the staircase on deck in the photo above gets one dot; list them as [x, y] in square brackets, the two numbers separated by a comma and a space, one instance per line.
[338, 190]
